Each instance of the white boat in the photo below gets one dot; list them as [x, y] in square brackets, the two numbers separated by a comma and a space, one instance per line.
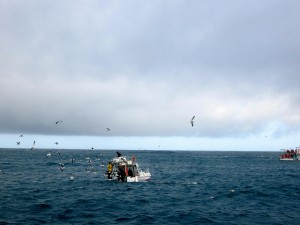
[290, 154]
[126, 170]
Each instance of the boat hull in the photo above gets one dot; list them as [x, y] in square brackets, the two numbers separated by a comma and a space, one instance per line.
[144, 176]
[288, 159]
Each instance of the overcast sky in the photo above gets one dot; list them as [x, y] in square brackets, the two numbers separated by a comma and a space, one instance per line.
[144, 68]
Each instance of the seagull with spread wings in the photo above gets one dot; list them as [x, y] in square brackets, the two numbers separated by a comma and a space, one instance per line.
[192, 121]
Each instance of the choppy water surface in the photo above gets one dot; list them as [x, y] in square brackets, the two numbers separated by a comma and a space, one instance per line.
[186, 188]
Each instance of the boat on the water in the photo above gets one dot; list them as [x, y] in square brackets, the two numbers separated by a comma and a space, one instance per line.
[123, 169]
[290, 154]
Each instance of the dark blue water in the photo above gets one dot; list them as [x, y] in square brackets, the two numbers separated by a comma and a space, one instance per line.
[186, 188]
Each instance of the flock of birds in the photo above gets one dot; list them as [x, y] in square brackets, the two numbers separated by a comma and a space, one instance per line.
[107, 129]
[72, 160]
[91, 169]
[56, 143]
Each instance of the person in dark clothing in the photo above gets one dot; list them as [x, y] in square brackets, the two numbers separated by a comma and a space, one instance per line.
[130, 173]
[119, 154]
[121, 174]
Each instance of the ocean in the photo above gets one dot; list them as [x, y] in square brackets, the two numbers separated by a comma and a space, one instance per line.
[187, 187]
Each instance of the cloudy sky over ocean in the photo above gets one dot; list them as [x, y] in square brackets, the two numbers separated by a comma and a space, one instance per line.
[145, 68]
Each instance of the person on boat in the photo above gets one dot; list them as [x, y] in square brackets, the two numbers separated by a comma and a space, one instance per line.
[126, 171]
[121, 174]
[133, 158]
[119, 154]
[109, 170]
[130, 173]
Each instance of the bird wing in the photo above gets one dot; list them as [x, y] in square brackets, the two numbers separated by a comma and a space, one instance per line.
[192, 120]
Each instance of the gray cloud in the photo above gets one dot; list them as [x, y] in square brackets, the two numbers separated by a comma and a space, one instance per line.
[146, 68]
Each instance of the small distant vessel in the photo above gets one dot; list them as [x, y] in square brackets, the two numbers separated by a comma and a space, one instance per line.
[290, 154]
[126, 170]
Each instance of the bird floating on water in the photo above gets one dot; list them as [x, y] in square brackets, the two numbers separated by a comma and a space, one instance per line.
[21, 135]
[61, 166]
[192, 121]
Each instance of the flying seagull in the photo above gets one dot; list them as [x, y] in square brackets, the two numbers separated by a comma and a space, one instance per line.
[56, 143]
[59, 121]
[33, 145]
[21, 135]
[107, 129]
[92, 148]
[192, 121]
[18, 143]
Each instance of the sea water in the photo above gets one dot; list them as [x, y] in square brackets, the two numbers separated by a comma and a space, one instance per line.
[187, 187]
